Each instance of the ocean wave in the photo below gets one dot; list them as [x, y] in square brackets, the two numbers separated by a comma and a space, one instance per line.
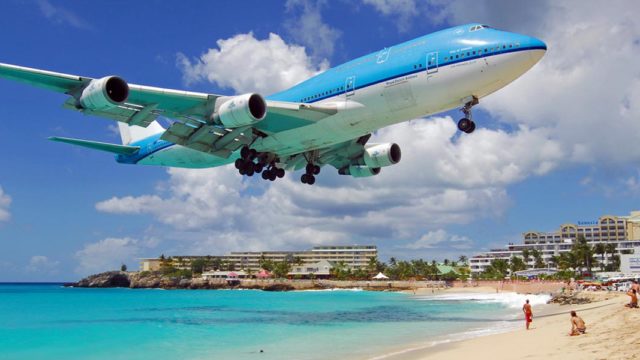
[508, 299]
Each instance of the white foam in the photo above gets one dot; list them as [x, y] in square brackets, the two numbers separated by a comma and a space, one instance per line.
[510, 300]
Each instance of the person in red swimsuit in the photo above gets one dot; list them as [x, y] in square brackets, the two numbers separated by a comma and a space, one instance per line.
[528, 314]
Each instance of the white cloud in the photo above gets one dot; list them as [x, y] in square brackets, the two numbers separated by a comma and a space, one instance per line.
[307, 27]
[60, 15]
[577, 106]
[443, 179]
[5, 202]
[440, 239]
[109, 254]
[401, 10]
[42, 265]
[246, 64]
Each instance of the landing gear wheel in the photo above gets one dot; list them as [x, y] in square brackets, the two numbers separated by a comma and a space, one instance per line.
[473, 127]
[280, 173]
[316, 170]
[309, 168]
[265, 175]
[466, 125]
[272, 175]
[304, 178]
[311, 180]
[258, 167]
[249, 171]
[238, 164]
[244, 152]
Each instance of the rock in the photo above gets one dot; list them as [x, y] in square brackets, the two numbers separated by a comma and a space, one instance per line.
[105, 280]
[278, 287]
[569, 299]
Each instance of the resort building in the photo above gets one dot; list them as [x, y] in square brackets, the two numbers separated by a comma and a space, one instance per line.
[319, 270]
[353, 256]
[621, 233]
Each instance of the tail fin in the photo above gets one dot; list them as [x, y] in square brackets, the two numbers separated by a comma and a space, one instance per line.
[133, 133]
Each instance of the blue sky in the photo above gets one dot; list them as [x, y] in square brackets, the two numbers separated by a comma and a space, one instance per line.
[558, 145]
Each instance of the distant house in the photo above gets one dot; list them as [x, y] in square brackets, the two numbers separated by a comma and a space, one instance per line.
[318, 270]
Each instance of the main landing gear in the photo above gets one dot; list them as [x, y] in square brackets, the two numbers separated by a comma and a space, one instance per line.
[309, 176]
[465, 124]
[252, 162]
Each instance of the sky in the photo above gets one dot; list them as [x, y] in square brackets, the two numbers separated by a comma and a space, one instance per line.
[558, 145]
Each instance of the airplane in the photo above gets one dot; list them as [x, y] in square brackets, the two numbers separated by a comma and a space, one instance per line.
[325, 120]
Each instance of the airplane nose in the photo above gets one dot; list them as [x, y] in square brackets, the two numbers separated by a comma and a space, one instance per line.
[538, 49]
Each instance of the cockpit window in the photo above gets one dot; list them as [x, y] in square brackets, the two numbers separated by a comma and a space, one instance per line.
[479, 27]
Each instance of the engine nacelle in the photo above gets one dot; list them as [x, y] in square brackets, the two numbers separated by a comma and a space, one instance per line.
[359, 171]
[105, 93]
[242, 110]
[381, 155]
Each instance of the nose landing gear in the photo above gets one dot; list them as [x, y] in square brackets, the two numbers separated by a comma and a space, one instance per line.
[465, 124]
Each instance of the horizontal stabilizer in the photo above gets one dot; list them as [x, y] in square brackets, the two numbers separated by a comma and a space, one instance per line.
[112, 148]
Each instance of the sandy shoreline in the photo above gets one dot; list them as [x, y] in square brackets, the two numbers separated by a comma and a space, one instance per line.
[607, 336]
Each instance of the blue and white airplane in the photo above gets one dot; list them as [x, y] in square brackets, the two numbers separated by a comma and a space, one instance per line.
[325, 120]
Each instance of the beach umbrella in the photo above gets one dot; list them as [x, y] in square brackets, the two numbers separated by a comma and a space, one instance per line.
[380, 276]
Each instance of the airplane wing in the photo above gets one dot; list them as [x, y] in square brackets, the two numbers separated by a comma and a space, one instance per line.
[191, 111]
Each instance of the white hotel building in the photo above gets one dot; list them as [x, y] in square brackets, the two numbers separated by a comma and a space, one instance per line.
[623, 231]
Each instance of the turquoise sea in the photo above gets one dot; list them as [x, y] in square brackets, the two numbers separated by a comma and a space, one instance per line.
[47, 321]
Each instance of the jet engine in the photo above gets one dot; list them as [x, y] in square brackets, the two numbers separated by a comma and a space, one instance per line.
[381, 155]
[105, 93]
[242, 110]
[359, 171]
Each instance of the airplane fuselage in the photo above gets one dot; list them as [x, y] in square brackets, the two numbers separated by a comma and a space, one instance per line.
[424, 76]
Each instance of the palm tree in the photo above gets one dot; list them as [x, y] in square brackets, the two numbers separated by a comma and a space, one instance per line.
[392, 261]
[526, 254]
[537, 257]
[463, 259]
[516, 264]
[600, 249]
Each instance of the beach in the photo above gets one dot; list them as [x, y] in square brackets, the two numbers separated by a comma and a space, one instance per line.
[613, 332]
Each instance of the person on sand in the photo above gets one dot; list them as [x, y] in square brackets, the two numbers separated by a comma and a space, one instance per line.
[634, 299]
[635, 286]
[528, 314]
[577, 325]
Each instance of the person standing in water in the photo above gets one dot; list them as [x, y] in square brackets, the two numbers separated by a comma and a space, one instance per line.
[528, 314]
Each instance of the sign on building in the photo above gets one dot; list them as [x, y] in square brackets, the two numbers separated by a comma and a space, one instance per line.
[630, 263]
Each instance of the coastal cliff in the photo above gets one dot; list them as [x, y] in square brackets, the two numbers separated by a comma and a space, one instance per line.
[156, 280]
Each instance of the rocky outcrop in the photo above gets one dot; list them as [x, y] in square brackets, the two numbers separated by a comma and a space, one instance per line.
[570, 299]
[105, 280]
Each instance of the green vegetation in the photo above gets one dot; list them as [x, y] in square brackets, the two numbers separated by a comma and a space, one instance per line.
[582, 258]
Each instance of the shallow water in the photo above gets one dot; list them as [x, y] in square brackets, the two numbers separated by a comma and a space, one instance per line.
[46, 321]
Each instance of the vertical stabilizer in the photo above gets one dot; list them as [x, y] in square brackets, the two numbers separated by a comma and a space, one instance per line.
[133, 133]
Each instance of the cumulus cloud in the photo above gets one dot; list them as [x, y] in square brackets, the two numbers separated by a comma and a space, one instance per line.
[555, 114]
[443, 179]
[5, 201]
[307, 27]
[401, 10]
[42, 265]
[440, 238]
[246, 64]
[109, 254]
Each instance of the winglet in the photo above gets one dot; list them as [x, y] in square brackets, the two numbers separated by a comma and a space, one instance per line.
[112, 148]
